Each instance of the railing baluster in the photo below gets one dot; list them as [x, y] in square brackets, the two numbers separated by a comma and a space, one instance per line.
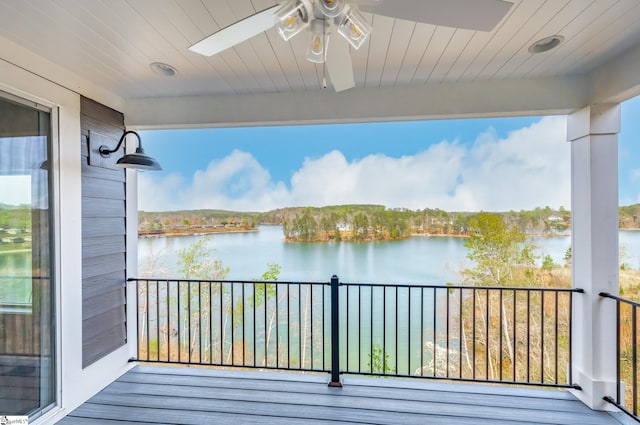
[210, 322]
[289, 326]
[148, 322]
[446, 353]
[324, 340]
[371, 332]
[222, 331]
[267, 328]
[140, 323]
[232, 353]
[346, 321]
[244, 335]
[397, 319]
[618, 350]
[541, 336]
[528, 335]
[311, 322]
[409, 331]
[514, 346]
[277, 329]
[178, 324]
[421, 331]
[435, 328]
[486, 338]
[169, 329]
[300, 325]
[157, 321]
[384, 329]
[359, 329]
[473, 337]
[500, 314]
[555, 339]
[634, 358]
[199, 322]
[255, 324]
[570, 339]
[460, 326]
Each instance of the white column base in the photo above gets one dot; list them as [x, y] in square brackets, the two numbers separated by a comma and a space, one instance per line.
[593, 391]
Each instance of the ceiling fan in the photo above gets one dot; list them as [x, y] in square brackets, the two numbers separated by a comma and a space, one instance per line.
[319, 17]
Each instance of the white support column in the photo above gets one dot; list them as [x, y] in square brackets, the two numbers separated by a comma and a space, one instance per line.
[593, 133]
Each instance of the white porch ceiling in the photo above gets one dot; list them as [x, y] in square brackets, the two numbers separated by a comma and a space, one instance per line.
[103, 49]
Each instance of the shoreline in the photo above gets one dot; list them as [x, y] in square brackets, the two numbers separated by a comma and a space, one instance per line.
[532, 235]
[203, 232]
[15, 251]
[199, 232]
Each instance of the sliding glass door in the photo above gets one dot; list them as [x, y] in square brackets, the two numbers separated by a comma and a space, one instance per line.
[27, 365]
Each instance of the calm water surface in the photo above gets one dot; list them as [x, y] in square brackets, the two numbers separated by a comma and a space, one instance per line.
[420, 259]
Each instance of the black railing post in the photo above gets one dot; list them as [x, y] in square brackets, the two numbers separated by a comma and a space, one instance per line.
[335, 334]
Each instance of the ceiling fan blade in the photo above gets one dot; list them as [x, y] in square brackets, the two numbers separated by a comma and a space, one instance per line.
[480, 15]
[339, 65]
[236, 33]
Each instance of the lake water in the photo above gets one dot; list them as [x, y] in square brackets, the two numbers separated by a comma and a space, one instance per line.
[384, 319]
[419, 259]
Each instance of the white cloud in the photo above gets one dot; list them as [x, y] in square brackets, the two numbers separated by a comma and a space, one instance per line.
[15, 190]
[528, 168]
[237, 182]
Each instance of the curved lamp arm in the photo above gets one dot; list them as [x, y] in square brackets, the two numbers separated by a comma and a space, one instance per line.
[137, 160]
[105, 151]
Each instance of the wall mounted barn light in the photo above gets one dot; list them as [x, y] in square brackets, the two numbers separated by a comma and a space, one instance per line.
[137, 160]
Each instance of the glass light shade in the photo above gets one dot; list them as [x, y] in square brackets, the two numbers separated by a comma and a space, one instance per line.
[318, 42]
[331, 8]
[293, 17]
[353, 27]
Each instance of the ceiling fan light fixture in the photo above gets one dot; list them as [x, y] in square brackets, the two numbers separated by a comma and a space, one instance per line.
[353, 27]
[293, 17]
[318, 41]
[331, 8]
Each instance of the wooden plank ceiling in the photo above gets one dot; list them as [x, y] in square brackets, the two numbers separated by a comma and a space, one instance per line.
[113, 42]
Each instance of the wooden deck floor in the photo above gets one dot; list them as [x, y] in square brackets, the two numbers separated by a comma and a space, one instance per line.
[175, 395]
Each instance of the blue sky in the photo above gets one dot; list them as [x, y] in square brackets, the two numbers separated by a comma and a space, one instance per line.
[489, 164]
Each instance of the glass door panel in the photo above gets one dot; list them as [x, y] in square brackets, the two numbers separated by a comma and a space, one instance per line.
[27, 372]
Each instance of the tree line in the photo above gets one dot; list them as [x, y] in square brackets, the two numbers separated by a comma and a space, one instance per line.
[376, 222]
[362, 222]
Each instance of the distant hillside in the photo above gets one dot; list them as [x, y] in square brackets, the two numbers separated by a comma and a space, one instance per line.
[12, 207]
[360, 222]
[195, 221]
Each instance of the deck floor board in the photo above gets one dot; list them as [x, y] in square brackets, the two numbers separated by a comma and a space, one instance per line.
[178, 395]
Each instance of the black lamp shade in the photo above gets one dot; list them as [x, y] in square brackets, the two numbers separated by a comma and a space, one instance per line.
[139, 161]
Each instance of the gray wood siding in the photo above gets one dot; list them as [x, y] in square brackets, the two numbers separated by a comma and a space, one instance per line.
[103, 237]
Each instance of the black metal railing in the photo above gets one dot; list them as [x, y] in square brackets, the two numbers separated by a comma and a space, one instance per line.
[490, 334]
[269, 325]
[627, 353]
